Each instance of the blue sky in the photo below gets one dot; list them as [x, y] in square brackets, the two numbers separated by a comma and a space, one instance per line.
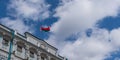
[109, 23]
[80, 29]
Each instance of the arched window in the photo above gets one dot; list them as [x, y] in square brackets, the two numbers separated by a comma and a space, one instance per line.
[32, 52]
[43, 56]
[52, 59]
[6, 40]
[1, 37]
[20, 46]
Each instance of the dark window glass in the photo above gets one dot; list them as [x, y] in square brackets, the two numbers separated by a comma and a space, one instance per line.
[42, 58]
[31, 54]
[5, 42]
[19, 48]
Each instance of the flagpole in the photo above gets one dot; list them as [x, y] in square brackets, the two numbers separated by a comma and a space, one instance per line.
[11, 45]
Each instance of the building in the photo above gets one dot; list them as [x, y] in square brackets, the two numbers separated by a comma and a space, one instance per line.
[25, 47]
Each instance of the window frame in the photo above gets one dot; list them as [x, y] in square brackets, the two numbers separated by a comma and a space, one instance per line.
[31, 53]
[19, 48]
[6, 40]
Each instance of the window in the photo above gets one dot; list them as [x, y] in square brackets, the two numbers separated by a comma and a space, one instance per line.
[42, 58]
[1, 37]
[32, 54]
[6, 40]
[19, 48]
[52, 59]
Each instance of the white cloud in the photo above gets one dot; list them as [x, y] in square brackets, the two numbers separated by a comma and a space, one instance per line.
[79, 15]
[17, 25]
[115, 37]
[23, 10]
[96, 47]
[29, 9]
[76, 16]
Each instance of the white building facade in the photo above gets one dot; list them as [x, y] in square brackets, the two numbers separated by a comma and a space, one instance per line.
[27, 47]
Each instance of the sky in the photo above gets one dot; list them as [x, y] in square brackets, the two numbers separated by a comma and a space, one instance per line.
[80, 29]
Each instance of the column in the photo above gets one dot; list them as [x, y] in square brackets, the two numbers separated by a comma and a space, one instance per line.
[38, 55]
[27, 51]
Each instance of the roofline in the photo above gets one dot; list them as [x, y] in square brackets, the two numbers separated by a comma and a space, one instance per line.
[41, 48]
[40, 39]
[28, 33]
[7, 27]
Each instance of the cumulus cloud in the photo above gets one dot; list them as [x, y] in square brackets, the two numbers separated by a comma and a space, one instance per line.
[95, 47]
[25, 11]
[115, 37]
[17, 25]
[76, 16]
[29, 9]
[98, 46]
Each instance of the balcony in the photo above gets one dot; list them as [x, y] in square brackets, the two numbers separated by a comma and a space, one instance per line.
[32, 54]
[20, 50]
[5, 43]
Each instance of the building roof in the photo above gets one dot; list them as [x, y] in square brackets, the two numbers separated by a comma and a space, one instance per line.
[25, 35]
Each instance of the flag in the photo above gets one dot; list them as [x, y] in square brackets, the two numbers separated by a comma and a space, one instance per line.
[46, 29]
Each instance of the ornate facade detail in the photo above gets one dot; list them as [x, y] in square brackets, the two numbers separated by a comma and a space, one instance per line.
[25, 47]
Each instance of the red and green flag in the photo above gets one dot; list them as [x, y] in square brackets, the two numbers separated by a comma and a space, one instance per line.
[46, 29]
